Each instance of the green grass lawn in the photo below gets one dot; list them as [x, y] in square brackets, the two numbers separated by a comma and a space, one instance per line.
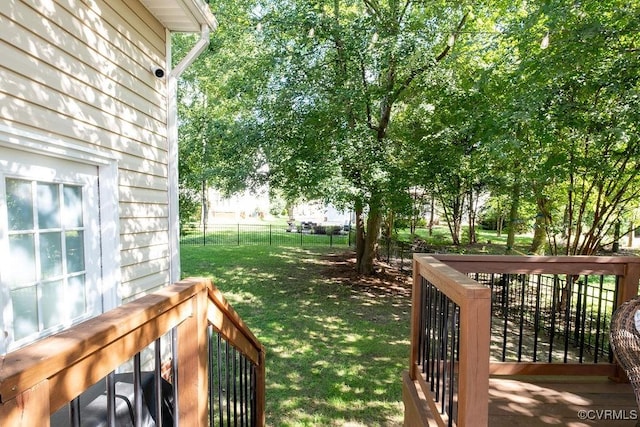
[336, 347]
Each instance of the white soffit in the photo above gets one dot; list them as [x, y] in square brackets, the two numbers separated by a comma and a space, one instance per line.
[182, 16]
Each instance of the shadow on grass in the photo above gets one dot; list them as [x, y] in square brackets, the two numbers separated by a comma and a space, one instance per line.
[336, 343]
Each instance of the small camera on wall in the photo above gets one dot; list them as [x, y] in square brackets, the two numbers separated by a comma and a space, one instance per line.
[157, 71]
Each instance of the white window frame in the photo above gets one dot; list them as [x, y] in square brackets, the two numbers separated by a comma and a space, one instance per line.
[107, 173]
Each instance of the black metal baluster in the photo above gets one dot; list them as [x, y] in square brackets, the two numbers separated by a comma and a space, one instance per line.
[505, 307]
[422, 336]
[234, 355]
[522, 311]
[552, 330]
[247, 396]
[599, 318]
[219, 379]
[157, 378]
[253, 396]
[452, 360]
[584, 317]
[247, 376]
[567, 317]
[137, 391]
[425, 332]
[440, 350]
[443, 350]
[493, 300]
[433, 305]
[74, 412]
[434, 344]
[111, 399]
[578, 319]
[536, 320]
[212, 381]
[174, 369]
[241, 387]
[228, 382]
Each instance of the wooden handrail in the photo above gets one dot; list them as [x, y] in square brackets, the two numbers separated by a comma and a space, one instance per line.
[224, 318]
[38, 379]
[582, 264]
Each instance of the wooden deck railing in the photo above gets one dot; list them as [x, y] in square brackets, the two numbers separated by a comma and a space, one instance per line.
[39, 379]
[447, 356]
[453, 316]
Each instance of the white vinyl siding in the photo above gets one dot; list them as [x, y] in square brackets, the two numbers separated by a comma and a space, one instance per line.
[79, 71]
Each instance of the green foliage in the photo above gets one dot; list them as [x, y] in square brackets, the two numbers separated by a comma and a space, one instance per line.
[189, 206]
[359, 102]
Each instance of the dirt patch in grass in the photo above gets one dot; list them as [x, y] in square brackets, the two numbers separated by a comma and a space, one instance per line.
[386, 281]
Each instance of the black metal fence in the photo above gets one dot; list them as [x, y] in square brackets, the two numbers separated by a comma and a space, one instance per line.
[265, 235]
[438, 347]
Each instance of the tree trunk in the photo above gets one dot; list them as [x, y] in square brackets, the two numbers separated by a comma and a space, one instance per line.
[453, 216]
[374, 219]
[499, 219]
[432, 214]
[472, 219]
[414, 212]
[204, 212]
[513, 215]
[360, 243]
[540, 228]
[616, 237]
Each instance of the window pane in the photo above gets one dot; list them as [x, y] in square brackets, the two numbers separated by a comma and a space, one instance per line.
[19, 204]
[25, 312]
[54, 304]
[22, 259]
[72, 206]
[75, 251]
[50, 255]
[48, 206]
[76, 296]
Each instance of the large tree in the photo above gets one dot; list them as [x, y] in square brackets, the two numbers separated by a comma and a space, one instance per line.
[343, 70]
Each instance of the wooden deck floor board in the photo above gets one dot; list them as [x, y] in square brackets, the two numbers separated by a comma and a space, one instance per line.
[560, 401]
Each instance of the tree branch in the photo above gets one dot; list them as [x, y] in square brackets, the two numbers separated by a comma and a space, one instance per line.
[374, 7]
[365, 87]
[420, 70]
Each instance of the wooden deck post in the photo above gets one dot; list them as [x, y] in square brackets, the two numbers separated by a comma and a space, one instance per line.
[192, 365]
[629, 282]
[473, 385]
[416, 309]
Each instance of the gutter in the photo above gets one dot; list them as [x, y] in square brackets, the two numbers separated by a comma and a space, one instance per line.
[172, 139]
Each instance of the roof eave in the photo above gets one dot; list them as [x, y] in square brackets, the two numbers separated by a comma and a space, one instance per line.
[182, 16]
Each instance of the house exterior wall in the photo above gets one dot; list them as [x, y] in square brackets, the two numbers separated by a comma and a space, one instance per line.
[78, 71]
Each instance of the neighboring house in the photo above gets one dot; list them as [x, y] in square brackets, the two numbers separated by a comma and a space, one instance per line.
[88, 156]
[248, 205]
[321, 213]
